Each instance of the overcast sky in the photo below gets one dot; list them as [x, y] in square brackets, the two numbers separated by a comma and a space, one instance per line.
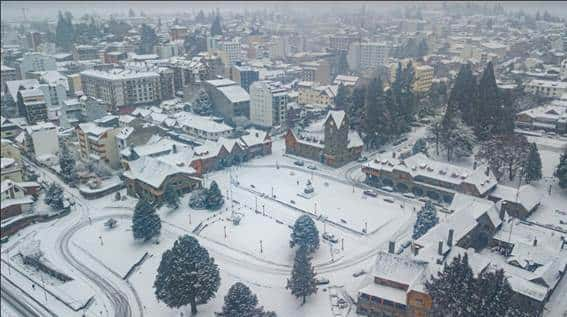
[48, 9]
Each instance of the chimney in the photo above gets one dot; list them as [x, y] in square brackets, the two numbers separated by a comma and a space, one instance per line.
[392, 247]
[440, 248]
[502, 211]
[535, 242]
[174, 148]
[474, 165]
[450, 238]
[415, 251]
[487, 172]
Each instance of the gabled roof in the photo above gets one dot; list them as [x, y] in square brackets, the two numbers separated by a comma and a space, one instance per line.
[153, 171]
[337, 116]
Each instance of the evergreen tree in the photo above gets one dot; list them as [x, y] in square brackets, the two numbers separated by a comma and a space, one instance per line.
[64, 31]
[186, 275]
[492, 294]
[67, 165]
[241, 302]
[457, 139]
[54, 196]
[532, 168]
[145, 221]
[420, 146]
[216, 28]
[171, 197]
[214, 199]
[305, 234]
[505, 154]
[376, 119]
[453, 288]
[341, 67]
[463, 94]
[302, 282]
[426, 219]
[148, 40]
[492, 108]
[202, 105]
[561, 171]
[342, 98]
[356, 107]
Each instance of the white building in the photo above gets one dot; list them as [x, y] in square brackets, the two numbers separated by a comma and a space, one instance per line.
[36, 62]
[546, 88]
[268, 102]
[230, 52]
[366, 55]
[42, 140]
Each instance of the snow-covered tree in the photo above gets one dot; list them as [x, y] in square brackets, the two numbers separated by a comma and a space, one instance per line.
[505, 154]
[420, 146]
[171, 197]
[145, 221]
[532, 168]
[202, 105]
[186, 275]
[198, 199]
[214, 200]
[453, 288]
[492, 294]
[561, 171]
[426, 219]
[67, 165]
[54, 196]
[302, 282]
[305, 234]
[241, 302]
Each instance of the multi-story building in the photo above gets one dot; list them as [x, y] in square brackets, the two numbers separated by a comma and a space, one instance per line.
[347, 81]
[74, 83]
[340, 42]
[9, 105]
[85, 52]
[422, 176]
[41, 140]
[552, 117]
[228, 98]
[36, 62]
[366, 55]
[244, 75]
[8, 74]
[9, 129]
[10, 169]
[32, 105]
[317, 71]
[422, 79]
[268, 103]
[315, 94]
[97, 141]
[167, 50]
[329, 141]
[546, 88]
[114, 57]
[229, 51]
[120, 88]
[204, 128]
[177, 32]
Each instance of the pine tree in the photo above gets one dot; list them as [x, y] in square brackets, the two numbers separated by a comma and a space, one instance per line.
[67, 165]
[148, 40]
[171, 197]
[203, 104]
[453, 288]
[54, 197]
[454, 135]
[356, 107]
[561, 171]
[505, 154]
[426, 219]
[492, 294]
[186, 275]
[214, 199]
[491, 105]
[532, 168]
[342, 98]
[216, 28]
[463, 94]
[302, 282]
[145, 221]
[420, 146]
[305, 234]
[376, 119]
[241, 302]
[64, 31]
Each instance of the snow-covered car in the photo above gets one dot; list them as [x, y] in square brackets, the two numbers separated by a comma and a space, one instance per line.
[362, 159]
[312, 167]
[409, 195]
[370, 193]
[387, 188]
[389, 199]
[358, 273]
[321, 280]
[330, 237]
[299, 163]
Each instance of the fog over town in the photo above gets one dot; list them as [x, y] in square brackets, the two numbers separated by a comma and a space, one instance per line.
[283, 158]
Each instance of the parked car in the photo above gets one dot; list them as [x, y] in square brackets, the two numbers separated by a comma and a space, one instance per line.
[389, 199]
[362, 159]
[330, 237]
[387, 188]
[299, 163]
[409, 195]
[312, 167]
[358, 273]
[370, 193]
[321, 280]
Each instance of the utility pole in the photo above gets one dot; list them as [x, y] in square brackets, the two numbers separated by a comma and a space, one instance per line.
[261, 249]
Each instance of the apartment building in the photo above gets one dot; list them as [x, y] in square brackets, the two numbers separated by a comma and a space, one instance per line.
[316, 71]
[228, 98]
[268, 103]
[340, 42]
[422, 79]
[97, 141]
[41, 140]
[120, 88]
[229, 51]
[316, 94]
[366, 55]
[7, 74]
[177, 32]
[546, 88]
[244, 75]
[36, 62]
[85, 52]
[32, 105]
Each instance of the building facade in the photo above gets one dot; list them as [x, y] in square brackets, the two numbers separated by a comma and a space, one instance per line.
[268, 104]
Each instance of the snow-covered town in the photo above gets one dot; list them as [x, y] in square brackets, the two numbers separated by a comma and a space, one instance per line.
[400, 159]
